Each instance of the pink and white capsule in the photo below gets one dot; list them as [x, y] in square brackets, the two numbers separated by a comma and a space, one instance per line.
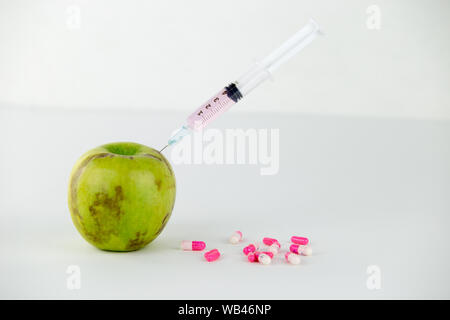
[292, 258]
[264, 258]
[212, 255]
[306, 251]
[254, 256]
[268, 253]
[236, 237]
[274, 248]
[270, 241]
[192, 245]
[250, 248]
[299, 249]
[300, 240]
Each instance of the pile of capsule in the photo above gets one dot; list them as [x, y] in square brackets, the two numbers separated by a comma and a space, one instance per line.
[257, 252]
[270, 247]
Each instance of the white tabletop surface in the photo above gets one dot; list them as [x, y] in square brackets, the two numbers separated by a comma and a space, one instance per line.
[367, 191]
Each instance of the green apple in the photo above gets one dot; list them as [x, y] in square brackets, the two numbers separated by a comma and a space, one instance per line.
[121, 195]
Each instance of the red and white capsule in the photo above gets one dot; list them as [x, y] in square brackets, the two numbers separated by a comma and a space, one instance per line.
[193, 245]
[261, 257]
[250, 248]
[236, 237]
[274, 248]
[299, 240]
[212, 255]
[292, 258]
[265, 258]
[270, 241]
[252, 257]
[299, 249]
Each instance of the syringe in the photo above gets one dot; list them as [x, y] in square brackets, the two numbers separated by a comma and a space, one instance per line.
[261, 71]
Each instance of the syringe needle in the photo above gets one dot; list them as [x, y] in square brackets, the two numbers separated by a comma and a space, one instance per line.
[163, 148]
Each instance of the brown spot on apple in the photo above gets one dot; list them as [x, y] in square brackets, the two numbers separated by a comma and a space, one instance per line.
[138, 242]
[158, 183]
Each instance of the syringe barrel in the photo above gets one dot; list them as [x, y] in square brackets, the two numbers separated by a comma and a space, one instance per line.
[213, 107]
[256, 75]
[207, 112]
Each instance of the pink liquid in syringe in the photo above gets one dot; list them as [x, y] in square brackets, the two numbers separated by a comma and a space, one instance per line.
[210, 110]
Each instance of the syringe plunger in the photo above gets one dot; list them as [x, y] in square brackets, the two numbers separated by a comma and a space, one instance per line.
[264, 69]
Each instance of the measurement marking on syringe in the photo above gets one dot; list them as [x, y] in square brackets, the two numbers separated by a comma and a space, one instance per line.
[211, 109]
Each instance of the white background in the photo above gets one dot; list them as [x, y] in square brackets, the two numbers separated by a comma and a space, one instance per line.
[155, 55]
[364, 145]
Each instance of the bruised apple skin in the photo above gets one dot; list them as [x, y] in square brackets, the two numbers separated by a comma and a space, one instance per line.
[121, 195]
